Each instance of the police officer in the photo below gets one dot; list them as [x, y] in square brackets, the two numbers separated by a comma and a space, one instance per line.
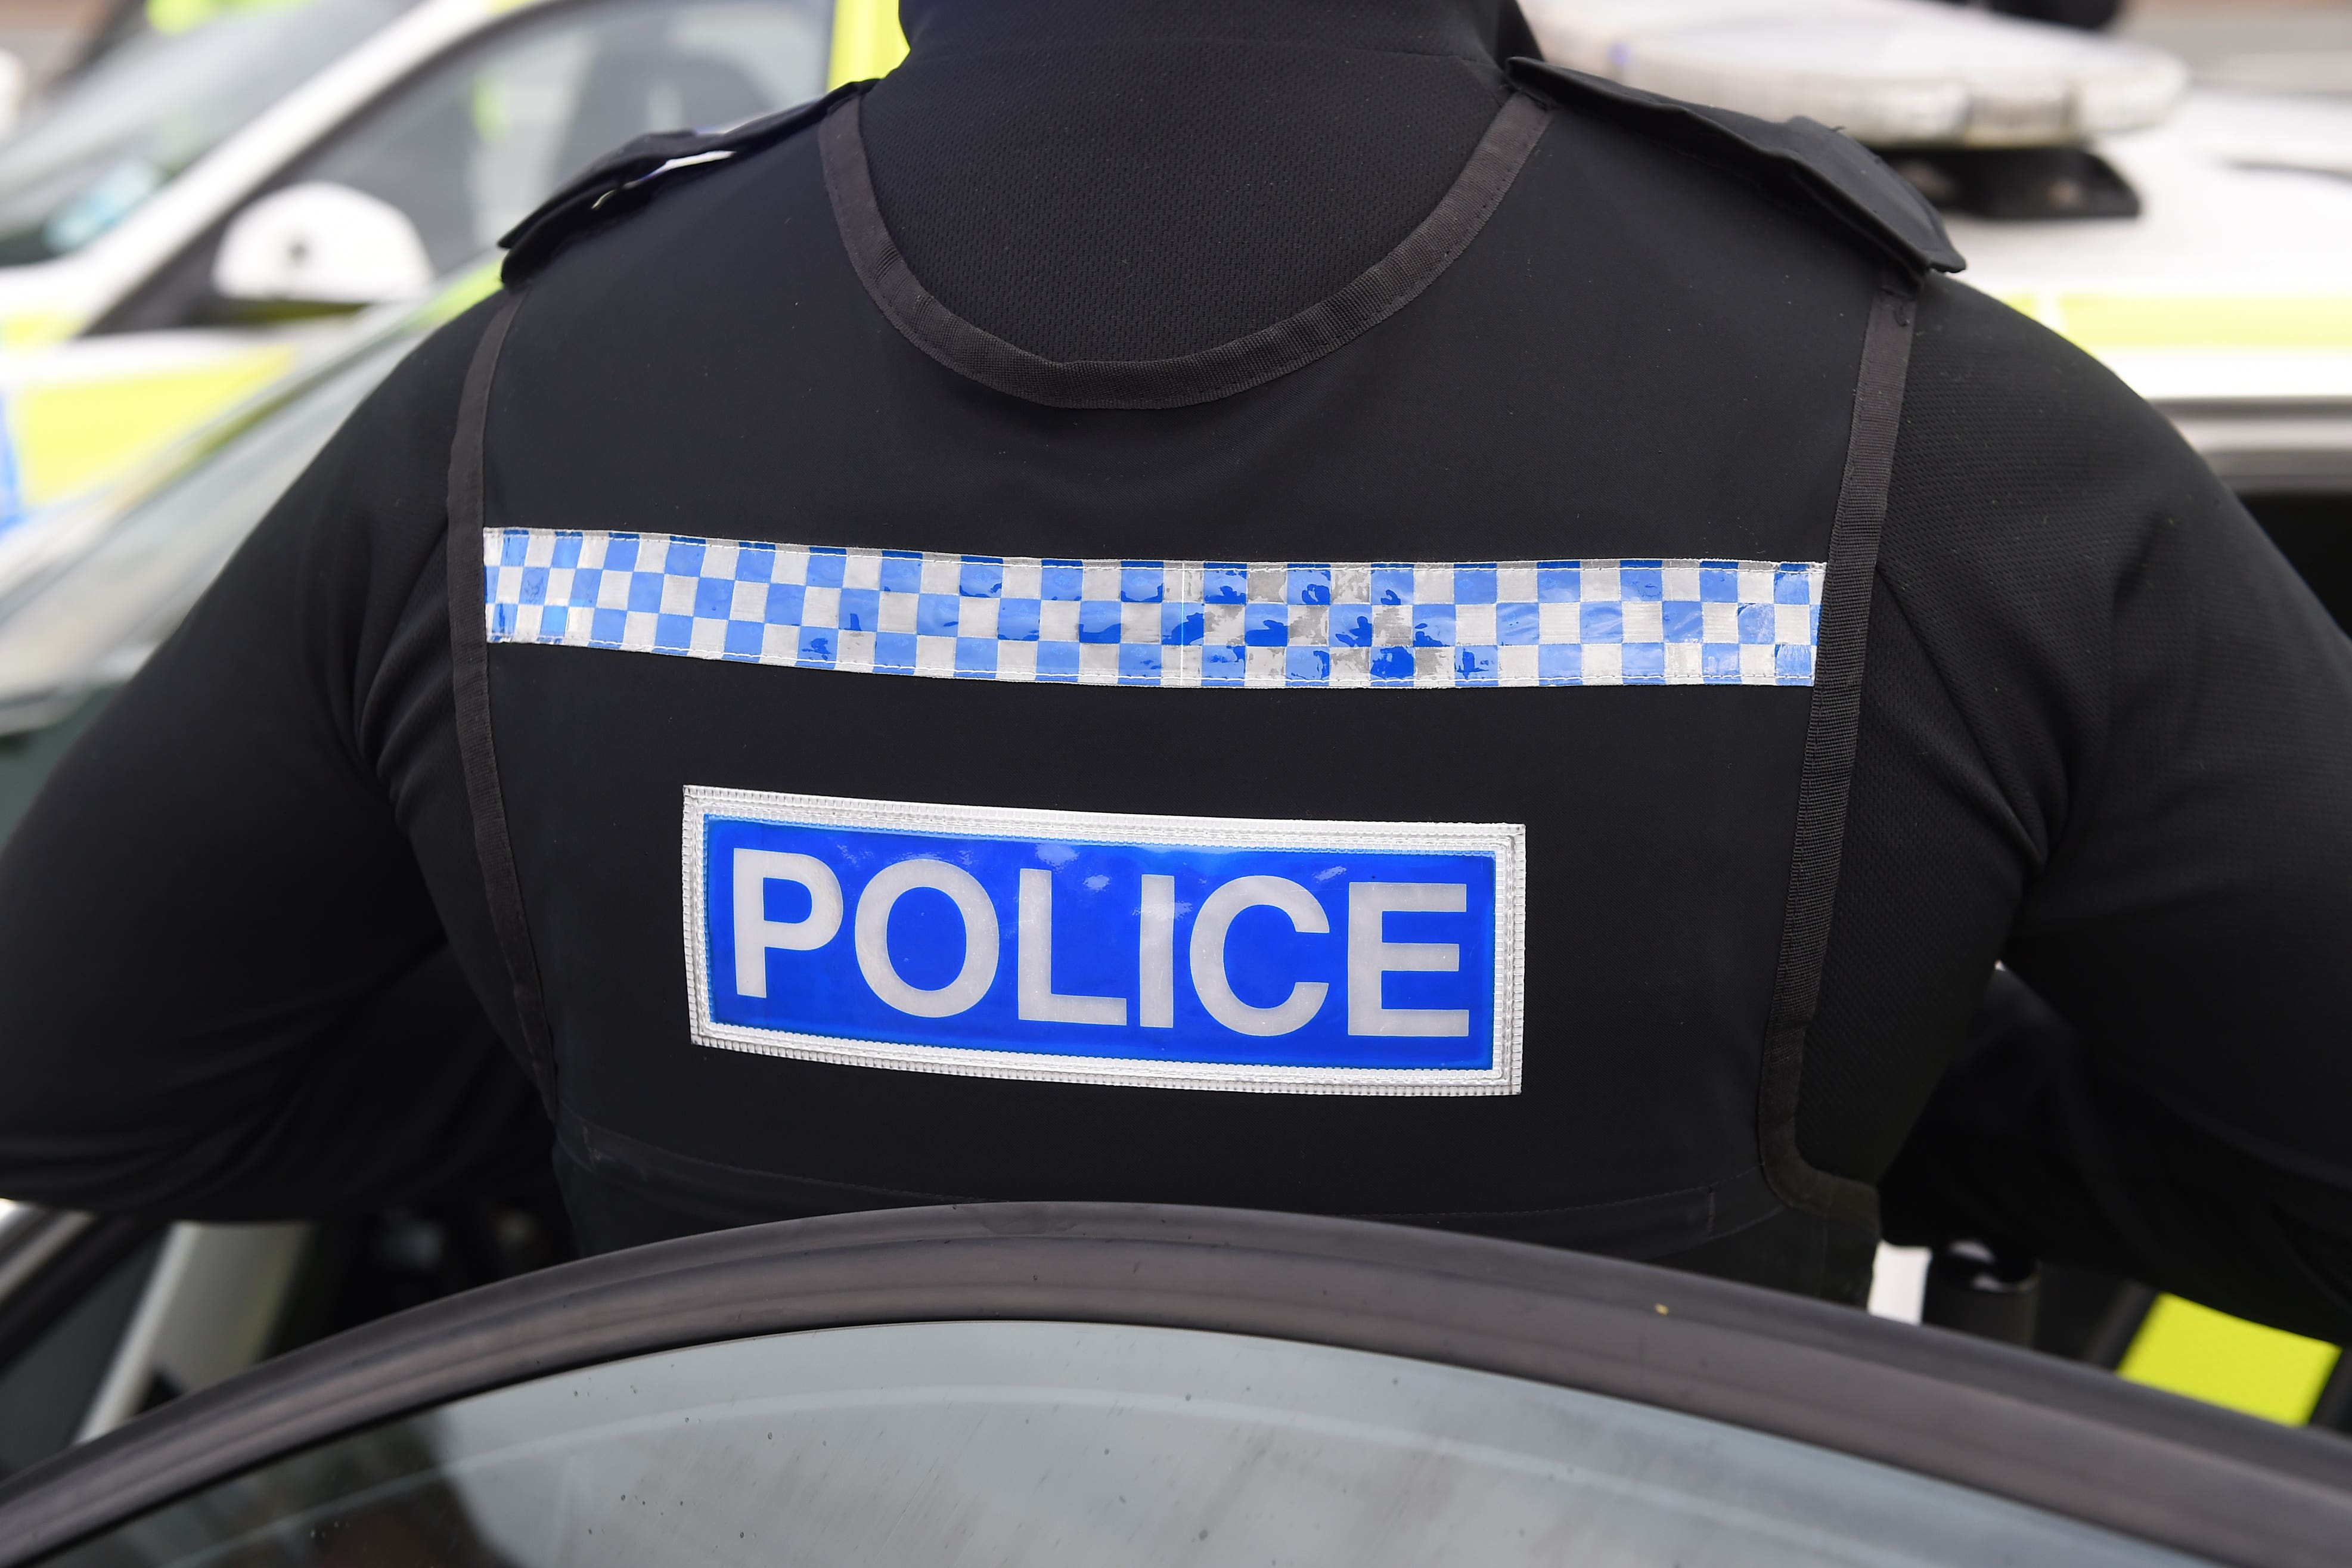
[1230, 601]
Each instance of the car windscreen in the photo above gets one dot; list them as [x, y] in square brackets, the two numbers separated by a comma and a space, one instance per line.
[195, 72]
[1061, 1443]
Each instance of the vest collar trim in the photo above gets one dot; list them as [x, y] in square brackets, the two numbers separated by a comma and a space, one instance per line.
[1379, 292]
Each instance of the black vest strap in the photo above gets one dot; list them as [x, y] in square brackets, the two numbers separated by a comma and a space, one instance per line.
[1378, 293]
[469, 675]
[1829, 765]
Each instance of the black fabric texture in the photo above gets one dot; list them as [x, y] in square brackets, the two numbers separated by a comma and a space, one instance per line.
[284, 1020]
[2045, 1145]
[2104, 732]
[771, 434]
[2083, 643]
[1275, 349]
[1100, 229]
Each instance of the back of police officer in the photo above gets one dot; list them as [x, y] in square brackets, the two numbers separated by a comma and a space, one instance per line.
[1227, 603]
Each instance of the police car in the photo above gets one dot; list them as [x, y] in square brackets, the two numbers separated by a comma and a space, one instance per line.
[2195, 235]
[1091, 1383]
[197, 213]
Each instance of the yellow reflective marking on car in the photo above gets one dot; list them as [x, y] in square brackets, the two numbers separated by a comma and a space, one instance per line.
[187, 16]
[867, 41]
[36, 328]
[73, 435]
[459, 294]
[2101, 322]
[2209, 1355]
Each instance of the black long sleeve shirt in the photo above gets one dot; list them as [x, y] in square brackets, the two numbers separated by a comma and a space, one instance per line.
[247, 969]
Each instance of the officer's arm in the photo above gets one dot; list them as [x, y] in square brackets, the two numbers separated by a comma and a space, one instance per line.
[2041, 1143]
[2162, 714]
[226, 989]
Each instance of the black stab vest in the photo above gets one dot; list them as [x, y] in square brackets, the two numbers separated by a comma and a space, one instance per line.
[738, 479]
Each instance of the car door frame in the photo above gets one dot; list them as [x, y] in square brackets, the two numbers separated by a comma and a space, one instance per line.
[2069, 1439]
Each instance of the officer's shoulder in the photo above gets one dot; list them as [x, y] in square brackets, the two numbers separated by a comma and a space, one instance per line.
[1826, 170]
[626, 178]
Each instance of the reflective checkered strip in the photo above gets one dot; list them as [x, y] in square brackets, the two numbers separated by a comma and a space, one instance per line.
[1160, 623]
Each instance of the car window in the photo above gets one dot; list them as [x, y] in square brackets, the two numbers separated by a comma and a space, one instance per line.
[1046, 1443]
[185, 77]
[128, 566]
[471, 148]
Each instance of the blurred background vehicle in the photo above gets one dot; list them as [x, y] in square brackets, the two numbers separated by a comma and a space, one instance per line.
[192, 211]
[2188, 221]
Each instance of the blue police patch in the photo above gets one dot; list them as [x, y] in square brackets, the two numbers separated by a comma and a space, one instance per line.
[1083, 947]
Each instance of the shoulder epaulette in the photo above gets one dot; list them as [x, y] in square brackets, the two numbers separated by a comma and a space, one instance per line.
[624, 179]
[1831, 169]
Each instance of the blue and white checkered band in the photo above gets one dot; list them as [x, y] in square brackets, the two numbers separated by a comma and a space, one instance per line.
[1160, 623]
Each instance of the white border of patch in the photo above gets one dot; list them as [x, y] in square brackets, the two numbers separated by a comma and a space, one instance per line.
[1506, 842]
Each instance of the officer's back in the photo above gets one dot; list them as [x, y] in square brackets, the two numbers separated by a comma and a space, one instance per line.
[1231, 603]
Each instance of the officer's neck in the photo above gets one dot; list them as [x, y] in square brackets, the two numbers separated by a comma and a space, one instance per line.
[1140, 179]
[1468, 28]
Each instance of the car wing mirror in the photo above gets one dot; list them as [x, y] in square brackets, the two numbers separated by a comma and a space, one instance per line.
[319, 246]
